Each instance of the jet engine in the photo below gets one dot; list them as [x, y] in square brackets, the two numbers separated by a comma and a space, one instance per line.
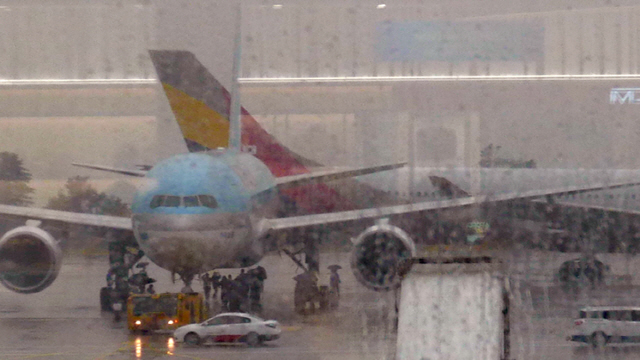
[30, 259]
[382, 255]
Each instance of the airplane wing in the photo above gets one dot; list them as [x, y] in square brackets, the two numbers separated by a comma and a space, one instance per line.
[322, 176]
[345, 216]
[138, 173]
[606, 208]
[114, 222]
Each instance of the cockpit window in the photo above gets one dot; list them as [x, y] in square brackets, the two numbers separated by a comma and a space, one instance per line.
[190, 201]
[208, 201]
[156, 201]
[186, 201]
[172, 201]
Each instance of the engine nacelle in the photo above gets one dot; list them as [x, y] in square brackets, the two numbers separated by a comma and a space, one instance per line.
[382, 255]
[30, 259]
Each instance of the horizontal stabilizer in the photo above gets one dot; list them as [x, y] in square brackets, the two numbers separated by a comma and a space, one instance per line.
[138, 173]
[329, 175]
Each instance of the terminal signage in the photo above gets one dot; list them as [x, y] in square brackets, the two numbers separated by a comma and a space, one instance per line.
[624, 96]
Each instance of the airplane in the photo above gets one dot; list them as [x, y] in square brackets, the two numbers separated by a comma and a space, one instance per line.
[215, 207]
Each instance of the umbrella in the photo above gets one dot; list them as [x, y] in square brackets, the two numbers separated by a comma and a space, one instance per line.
[334, 267]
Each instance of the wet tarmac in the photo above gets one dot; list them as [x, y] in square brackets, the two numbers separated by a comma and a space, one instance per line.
[65, 322]
[543, 311]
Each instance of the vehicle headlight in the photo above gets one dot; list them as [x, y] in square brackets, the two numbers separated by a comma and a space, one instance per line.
[138, 322]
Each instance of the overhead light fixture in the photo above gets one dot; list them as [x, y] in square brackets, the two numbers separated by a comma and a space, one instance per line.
[277, 6]
[381, 6]
[5, 82]
[365, 79]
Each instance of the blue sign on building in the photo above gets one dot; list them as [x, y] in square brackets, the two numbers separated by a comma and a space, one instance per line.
[454, 41]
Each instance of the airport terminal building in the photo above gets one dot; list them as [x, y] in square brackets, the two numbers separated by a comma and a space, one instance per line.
[341, 83]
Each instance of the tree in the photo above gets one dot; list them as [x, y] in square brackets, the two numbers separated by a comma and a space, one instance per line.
[14, 181]
[79, 196]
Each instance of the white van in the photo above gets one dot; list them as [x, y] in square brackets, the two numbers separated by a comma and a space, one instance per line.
[600, 325]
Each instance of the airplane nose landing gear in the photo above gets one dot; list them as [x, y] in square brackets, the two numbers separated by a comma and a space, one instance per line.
[123, 255]
[187, 277]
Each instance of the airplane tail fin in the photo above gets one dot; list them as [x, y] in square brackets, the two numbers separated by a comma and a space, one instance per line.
[201, 106]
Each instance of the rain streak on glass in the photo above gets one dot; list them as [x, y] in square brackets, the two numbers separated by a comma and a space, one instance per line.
[414, 180]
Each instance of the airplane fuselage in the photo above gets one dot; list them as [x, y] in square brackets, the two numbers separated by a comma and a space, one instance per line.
[203, 211]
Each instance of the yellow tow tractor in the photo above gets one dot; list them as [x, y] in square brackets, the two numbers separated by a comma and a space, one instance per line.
[164, 312]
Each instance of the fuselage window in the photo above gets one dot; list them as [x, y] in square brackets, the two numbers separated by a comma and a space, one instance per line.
[190, 201]
[156, 201]
[171, 201]
[208, 201]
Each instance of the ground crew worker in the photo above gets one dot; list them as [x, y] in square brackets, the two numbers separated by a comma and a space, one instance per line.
[242, 286]
[110, 280]
[150, 289]
[334, 286]
[235, 296]
[206, 285]
[334, 281]
[215, 284]
[241, 276]
[255, 289]
[305, 292]
[262, 273]
[225, 288]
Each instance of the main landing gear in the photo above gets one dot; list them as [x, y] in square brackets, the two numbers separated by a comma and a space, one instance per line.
[308, 294]
[123, 255]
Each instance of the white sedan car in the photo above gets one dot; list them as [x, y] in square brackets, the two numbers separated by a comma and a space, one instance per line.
[229, 327]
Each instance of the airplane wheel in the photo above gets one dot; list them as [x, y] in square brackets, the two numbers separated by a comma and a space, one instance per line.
[599, 339]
